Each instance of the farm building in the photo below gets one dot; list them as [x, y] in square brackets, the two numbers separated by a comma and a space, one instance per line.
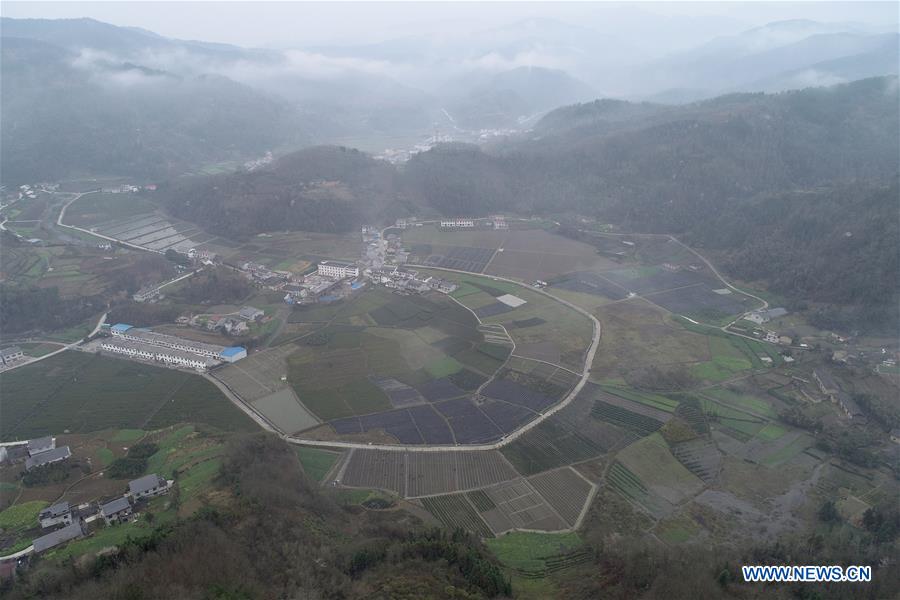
[849, 406]
[164, 355]
[146, 294]
[337, 269]
[826, 382]
[148, 486]
[116, 511]
[10, 354]
[133, 334]
[38, 445]
[457, 223]
[131, 349]
[60, 536]
[233, 354]
[249, 313]
[56, 514]
[765, 315]
[47, 458]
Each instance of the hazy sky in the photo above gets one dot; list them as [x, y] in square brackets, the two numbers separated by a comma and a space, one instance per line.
[303, 23]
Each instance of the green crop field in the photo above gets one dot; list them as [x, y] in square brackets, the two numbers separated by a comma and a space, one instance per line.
[639, 424]
[528, 551]
[83, 392]
[560, 335]
[21, 516]
[648, 399]
[414, 339]
[744, 402]
[94, 209]
[316, 463]
[652, 462]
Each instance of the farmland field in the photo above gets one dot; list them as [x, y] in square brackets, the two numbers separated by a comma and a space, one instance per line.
[83, 392]
[316, 463]
[637, 335]
[414, 474]
[559, 334]
[533, 552]
[549, 445]
[652, 462]
[520, 506]
[565, 490]
[455, 511]
[93, 209]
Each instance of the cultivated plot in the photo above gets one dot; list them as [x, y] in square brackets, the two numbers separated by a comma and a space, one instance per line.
[414, 474]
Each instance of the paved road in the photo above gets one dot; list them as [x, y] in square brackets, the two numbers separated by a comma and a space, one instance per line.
[62, 214]
[63, 349]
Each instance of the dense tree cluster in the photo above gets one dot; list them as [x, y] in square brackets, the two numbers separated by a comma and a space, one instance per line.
[43, 309]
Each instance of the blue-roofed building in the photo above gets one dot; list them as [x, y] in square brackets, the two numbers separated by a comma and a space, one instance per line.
[233, 353]
[119, 328]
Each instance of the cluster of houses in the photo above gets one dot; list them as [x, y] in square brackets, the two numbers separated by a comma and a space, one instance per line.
[321, 286]
[832, 390]
[170, 350]
[35, 453]
[264, 276]
[236, 324]
[495, 222]
[121, 189]
[409, 281]
[70, 522]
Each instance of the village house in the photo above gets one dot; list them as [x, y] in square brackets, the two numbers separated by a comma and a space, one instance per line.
[38, 445]
[146, 294]
[148, 486]
[13, 353]
[826, 382]
[765, 315]
[849, 406]
[60, 536]
[46, 458]
[250, 313]
[56, 514]
[116, 511]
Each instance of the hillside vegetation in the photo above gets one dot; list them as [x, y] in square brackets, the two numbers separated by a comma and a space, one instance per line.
[67, 114]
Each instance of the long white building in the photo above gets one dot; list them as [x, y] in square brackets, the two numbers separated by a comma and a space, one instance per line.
[337, 269]
[164, 355]
[149, 345]
[457, 223]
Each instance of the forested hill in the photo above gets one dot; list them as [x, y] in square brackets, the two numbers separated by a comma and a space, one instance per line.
[67, 114]
[774, 182]
[324, 189]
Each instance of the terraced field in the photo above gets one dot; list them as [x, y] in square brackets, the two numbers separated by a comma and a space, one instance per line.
[565, 490]
[455, 511]
[415, 474]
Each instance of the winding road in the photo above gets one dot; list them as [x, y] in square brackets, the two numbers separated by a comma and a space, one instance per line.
[585, 375]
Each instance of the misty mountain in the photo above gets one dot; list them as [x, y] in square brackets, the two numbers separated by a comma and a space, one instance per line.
[506, 99]
[124, 42]
[64, 115]
[778, 56]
